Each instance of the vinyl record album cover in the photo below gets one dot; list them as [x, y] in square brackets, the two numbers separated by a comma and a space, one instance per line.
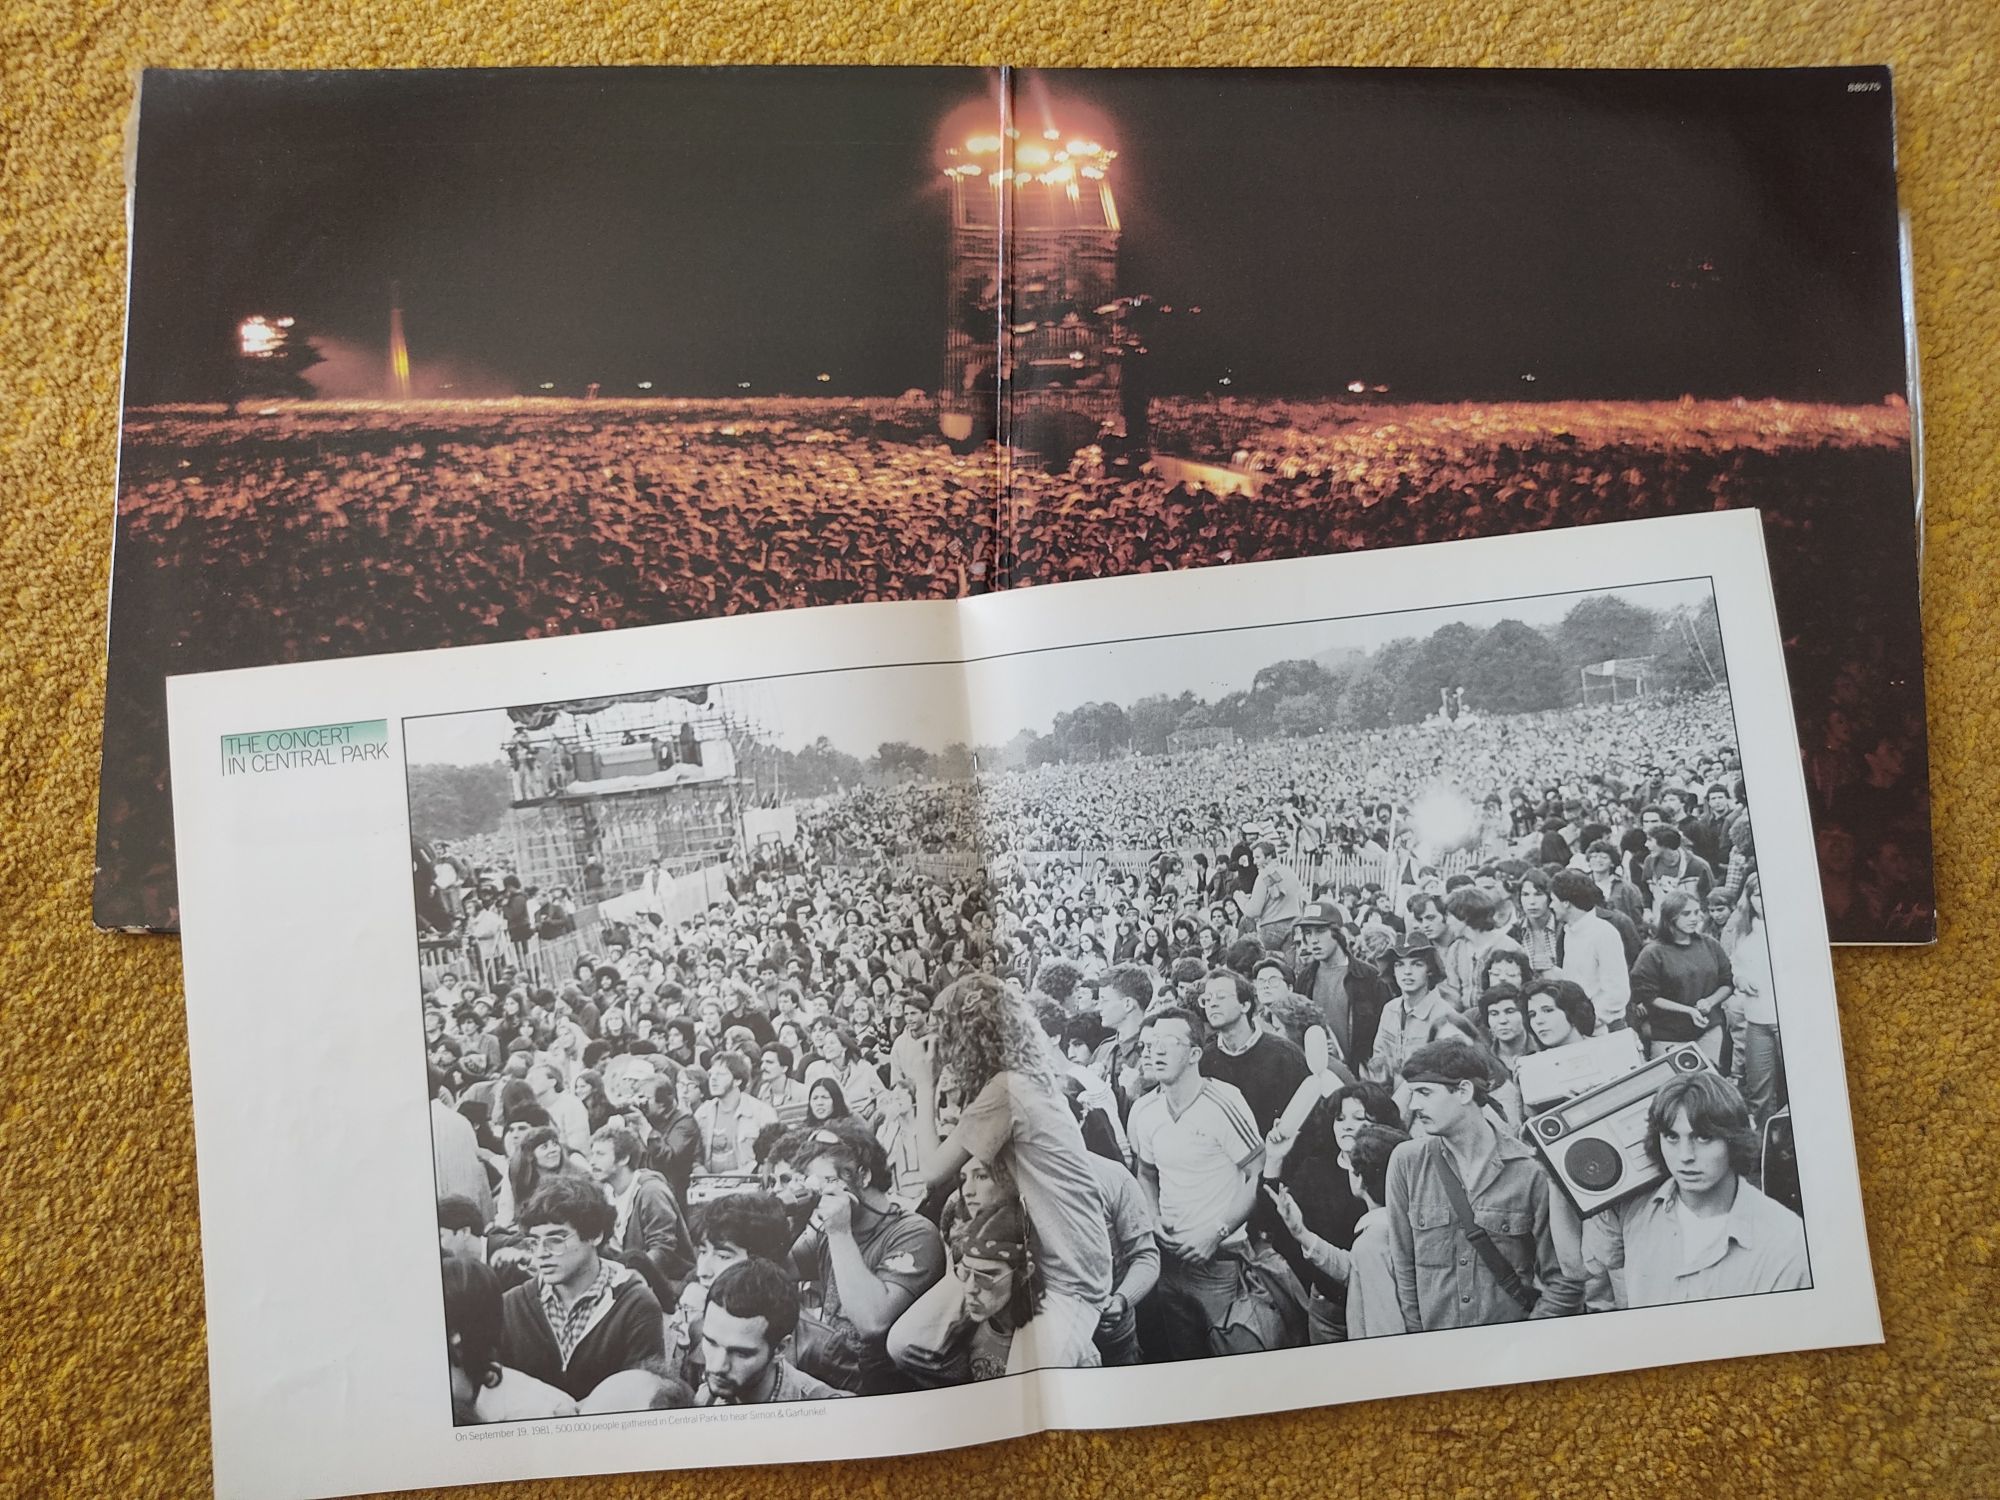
[421, 359]
[697, 1049]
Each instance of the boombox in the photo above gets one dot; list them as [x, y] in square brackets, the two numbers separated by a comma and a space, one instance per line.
[1547, 1078]
[714, 1185]
[1596, 1143]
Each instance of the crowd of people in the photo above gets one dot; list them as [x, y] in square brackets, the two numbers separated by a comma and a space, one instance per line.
[869, 1125]
[1329, 794]
[329, 531]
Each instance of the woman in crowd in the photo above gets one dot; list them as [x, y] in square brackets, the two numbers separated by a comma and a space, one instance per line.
[614, 1029]
[793, 1040]
[1311, 1168]
[589, 1091]
[1682, 978]
[535, 1156]
[1757, 1063]
[824, 1101]
[840, 1059]
[1361, 1270]
[1559, 1013]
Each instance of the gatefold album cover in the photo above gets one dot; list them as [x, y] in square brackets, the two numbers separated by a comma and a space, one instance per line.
[694, 1055]
[421, 359]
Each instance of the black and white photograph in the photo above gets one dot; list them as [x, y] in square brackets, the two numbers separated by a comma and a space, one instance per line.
[871, 1031]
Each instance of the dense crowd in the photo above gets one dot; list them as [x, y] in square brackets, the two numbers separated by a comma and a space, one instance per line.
[330, 531]
[871, 1124]
[1330, 794]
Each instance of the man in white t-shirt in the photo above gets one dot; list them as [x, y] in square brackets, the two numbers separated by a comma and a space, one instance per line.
[1198, 1152]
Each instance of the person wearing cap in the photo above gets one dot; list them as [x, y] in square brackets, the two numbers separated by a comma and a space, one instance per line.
[1468, 1205]
[1349, 995]
[1418, 1014]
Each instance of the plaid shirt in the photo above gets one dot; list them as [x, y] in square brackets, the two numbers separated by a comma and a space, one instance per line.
[569, 1326]
[1539, 942]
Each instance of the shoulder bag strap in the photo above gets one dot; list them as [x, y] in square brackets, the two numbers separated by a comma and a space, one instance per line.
[1482, 1242]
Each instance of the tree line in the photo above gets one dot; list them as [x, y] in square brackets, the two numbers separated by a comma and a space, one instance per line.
[1508, 668]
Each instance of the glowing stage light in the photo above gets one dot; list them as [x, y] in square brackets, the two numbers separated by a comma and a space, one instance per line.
[1443, 818]
[822, 377]
[260, 338]
[1095, 174]
[547, 385]
[983, 145]
[1357, 386]
[742, 385]
[645, 385]
[1032, 155]
[1052, 134]
[1080, 148]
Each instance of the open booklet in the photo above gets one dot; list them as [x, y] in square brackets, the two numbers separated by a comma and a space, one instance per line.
[877, 1028]
[627, 346]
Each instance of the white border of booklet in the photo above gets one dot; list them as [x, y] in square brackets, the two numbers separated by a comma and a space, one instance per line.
[325, 1324]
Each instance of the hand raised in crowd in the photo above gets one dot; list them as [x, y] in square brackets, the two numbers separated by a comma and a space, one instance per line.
[1288, 1209]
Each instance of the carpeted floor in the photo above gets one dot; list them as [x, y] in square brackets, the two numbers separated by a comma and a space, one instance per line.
[102, 1388]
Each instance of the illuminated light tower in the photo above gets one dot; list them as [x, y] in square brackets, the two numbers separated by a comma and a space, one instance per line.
[1034, 225]
[399, 351]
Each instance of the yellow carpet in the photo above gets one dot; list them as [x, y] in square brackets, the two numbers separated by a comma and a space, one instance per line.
[102, 1373]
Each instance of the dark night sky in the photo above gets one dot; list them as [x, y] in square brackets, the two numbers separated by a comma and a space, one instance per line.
[1443, 233]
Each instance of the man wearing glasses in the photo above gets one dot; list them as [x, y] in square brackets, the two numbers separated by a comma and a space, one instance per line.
[1199, 1155]
[582, 1316]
